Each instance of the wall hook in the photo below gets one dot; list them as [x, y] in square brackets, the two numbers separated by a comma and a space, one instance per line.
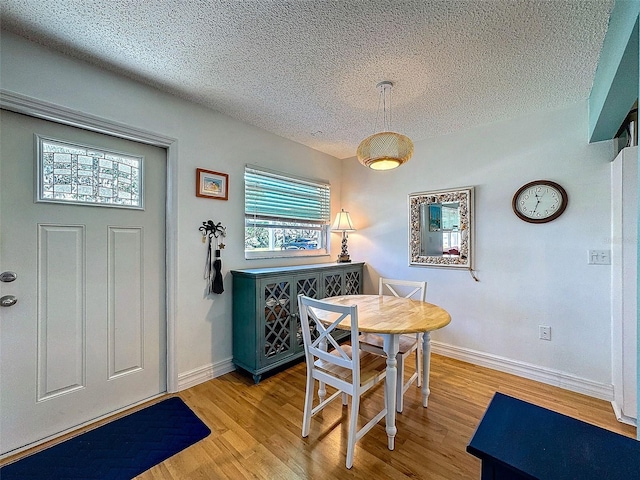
[209, 229]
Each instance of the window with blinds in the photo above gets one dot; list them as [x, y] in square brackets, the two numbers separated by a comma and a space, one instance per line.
[285, 216]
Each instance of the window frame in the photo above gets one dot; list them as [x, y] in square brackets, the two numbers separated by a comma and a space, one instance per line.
[322, 225]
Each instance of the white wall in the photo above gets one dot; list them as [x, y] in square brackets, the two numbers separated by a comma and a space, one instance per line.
[206, 139]
[529, 274]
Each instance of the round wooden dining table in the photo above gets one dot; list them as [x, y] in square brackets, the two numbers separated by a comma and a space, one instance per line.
[390, 317]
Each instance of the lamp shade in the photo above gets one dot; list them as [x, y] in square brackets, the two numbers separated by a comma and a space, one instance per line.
[343, 223]
[385, 150]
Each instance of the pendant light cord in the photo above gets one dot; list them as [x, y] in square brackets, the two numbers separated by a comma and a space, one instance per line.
[384, 105]
[380, 104]
[387, 107]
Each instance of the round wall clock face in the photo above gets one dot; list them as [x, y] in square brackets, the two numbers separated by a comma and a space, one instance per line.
[539, 201]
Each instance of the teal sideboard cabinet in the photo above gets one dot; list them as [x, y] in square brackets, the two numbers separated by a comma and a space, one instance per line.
[266, 324]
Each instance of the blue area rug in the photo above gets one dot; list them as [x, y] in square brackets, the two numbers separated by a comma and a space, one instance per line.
[121, 449]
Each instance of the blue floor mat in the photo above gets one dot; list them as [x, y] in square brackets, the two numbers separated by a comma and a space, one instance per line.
[120, 449]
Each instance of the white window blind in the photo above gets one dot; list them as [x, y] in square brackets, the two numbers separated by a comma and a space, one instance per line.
[274, 196]
[285, 216]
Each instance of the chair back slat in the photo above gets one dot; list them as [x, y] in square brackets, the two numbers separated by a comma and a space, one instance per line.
[310, 311]
[418, 290]
[324, 332]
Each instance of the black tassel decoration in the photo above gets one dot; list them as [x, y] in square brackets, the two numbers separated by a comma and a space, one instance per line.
[213, 266]
[217, 286]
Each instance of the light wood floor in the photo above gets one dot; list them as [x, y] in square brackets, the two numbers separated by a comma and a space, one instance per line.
[256, 428]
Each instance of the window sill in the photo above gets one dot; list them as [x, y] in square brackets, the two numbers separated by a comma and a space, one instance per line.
[254, 255]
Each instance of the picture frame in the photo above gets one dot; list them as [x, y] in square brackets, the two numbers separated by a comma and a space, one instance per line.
[426, 247]
[210, 184]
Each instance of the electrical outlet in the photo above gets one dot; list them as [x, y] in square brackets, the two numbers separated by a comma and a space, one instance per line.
[545, 332]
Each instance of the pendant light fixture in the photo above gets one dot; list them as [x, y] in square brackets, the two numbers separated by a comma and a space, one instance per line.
[386, 149]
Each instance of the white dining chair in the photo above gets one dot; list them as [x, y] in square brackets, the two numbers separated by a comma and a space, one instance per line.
[408, 343]
[345, 367]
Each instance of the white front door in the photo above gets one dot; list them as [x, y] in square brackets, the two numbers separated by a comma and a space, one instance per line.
[87, 335]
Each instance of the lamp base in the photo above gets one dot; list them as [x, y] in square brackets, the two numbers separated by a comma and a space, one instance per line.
[344, 253]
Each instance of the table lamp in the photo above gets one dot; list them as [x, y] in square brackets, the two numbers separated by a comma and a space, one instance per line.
[343, 224]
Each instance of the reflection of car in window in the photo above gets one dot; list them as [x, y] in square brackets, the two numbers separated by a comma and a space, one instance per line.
[300, 244]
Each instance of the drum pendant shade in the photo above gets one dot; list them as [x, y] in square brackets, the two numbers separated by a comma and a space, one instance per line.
[385, 150]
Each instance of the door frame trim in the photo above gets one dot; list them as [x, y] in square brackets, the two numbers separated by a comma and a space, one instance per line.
[49, 111]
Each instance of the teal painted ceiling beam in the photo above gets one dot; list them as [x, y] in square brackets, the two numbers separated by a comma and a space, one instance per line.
[615, 86]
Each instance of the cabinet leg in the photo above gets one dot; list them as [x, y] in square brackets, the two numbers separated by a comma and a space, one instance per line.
[257, 378]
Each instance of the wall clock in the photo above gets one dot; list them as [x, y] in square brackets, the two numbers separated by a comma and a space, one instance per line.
[539, 201]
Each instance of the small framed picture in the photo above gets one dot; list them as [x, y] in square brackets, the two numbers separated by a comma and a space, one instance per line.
[212, 184]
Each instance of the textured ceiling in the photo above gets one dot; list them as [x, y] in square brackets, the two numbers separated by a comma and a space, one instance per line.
[307, 70]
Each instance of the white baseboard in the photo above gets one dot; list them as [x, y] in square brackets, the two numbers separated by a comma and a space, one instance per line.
[621, 416]
[502, 364]
[205, 373]
[527, 370]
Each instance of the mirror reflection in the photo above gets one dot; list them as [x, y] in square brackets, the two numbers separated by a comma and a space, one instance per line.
[442, 237]
[440, 228]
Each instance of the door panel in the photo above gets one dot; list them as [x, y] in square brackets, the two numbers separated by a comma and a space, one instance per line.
[125, 300]
[87, 336]
[60, 326]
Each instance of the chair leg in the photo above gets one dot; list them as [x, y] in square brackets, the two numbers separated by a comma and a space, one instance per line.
[322, 391]
[400, 384]
[308, 406]
[353, 425]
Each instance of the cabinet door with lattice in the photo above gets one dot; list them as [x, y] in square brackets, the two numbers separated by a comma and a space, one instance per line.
[332, 283]
[308, 285]
[275, 303]
[353, 281]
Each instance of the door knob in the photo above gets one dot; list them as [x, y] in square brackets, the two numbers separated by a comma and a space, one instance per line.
[8, 277]
[8, 301]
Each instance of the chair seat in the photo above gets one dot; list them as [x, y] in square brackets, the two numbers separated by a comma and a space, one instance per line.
[406, 344]
[371, 365]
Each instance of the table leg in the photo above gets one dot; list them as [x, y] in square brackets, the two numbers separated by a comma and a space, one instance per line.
[426, 366]
[390, 345]
[322, 390]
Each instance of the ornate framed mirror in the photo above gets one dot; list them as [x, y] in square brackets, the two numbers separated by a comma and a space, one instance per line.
[441, 228]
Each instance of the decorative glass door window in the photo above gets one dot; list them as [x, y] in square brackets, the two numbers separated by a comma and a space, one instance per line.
[79, 174]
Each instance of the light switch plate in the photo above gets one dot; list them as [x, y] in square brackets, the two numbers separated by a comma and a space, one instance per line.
[599, 257]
